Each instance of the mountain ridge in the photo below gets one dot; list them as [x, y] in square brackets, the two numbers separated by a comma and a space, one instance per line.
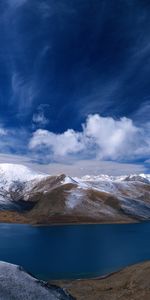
[16, 172]
[65, 199]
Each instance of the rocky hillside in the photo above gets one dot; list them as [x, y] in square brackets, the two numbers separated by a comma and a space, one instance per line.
[132, 283]
[44, 199]
[16, 284]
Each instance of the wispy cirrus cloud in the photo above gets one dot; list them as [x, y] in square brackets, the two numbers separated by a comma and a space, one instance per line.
[24, 93]
[142, 114]
[13, 4]
[39, 118]
[3, 132]
[13, 141]
[100, 80]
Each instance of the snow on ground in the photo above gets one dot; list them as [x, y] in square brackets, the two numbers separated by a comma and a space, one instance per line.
[96, 183]
[141, 177]
[69, 179]
[16, 284]
[108, 184]
[135, 207]
[10, 173]
[106, 178]
[147, 176]
[74, 198]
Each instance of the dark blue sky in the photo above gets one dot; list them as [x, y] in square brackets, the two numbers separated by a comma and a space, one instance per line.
[61, 60]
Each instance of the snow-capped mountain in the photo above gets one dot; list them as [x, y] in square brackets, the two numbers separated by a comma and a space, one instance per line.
[71, 199]
[14, 181]
[105, 178]
[14, 173]
[108, 184]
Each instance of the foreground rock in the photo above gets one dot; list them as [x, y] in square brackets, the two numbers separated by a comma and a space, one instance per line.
[16, 284]
[132, 283]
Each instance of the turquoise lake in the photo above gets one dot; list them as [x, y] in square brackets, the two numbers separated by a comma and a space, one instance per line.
[74, 251]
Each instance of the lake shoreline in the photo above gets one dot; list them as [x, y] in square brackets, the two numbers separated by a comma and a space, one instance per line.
[131, 282]
[12, 217]
[71, 224]
[100, 277]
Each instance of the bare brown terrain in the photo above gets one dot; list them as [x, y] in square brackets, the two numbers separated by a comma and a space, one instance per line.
[51, 208]
[13, 217]
[24, 218]
[132, 283]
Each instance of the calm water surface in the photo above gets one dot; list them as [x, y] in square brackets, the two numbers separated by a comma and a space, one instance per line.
[74, 251]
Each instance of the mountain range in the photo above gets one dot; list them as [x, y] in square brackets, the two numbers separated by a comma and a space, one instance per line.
[37, 198]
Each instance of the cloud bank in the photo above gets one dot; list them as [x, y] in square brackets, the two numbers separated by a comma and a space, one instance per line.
[103, 145]
[101, 138]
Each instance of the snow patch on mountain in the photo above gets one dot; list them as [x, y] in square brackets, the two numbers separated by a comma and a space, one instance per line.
[74, 198]
[145, 178]
[68, 180]
[135, 207]
[14, 174]
[103, 183]
[109, 184]
[106, 178]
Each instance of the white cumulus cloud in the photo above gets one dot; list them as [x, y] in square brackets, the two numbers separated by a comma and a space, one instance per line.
[101, 137]
[113, 138]
[60, 144]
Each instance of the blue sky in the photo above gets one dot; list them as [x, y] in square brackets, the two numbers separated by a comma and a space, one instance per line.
[75, 83]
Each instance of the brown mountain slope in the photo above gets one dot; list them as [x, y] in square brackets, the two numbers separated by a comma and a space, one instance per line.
[93, 206]
[132, 283]
[61, 199]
